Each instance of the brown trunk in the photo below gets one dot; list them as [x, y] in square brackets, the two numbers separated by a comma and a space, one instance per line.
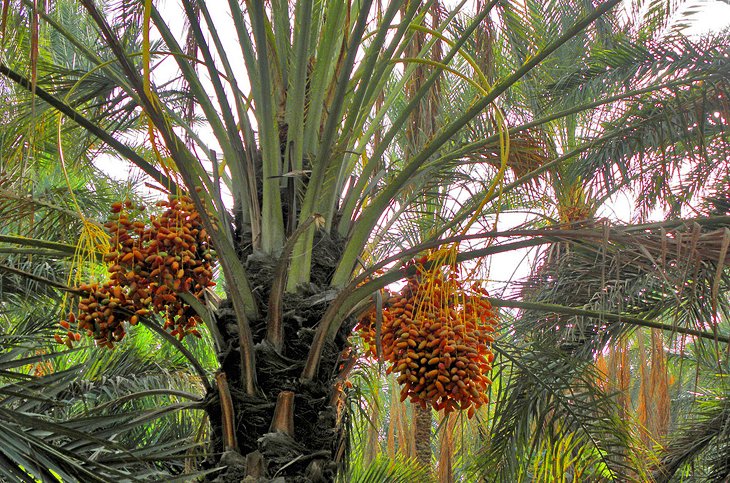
[290, 429]
[422, 432]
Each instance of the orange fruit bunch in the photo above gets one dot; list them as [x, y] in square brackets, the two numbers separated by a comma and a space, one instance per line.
[436, 335]
[149, 265]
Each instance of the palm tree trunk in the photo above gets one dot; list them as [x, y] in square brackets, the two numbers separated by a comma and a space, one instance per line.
[290, 428]
[422, 432]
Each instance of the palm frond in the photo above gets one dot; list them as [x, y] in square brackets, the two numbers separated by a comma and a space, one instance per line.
[545, 394]
[699, 450]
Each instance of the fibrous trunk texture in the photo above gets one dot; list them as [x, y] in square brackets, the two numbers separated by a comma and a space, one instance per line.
[290, 430]
[422, 430]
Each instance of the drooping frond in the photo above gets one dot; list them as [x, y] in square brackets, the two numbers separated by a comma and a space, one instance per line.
[699, 448]
[544, 397]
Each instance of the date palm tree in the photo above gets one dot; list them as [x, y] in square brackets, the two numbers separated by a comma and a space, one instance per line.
[282, 121]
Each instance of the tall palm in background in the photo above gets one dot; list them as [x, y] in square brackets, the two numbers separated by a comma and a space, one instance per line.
[309, 131]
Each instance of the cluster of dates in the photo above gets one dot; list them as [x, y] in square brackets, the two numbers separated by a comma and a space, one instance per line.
[436, 335]
[150, 264]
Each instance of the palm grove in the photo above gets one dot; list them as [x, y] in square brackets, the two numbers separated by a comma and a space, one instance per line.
[315, 151]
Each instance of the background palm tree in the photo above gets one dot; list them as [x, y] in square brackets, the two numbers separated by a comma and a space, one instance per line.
[309, 133]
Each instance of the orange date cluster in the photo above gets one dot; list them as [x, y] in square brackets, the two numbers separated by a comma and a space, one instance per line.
[437, 334]
[150, 264]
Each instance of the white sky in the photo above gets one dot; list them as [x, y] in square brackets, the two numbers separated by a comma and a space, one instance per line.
[710, 16]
